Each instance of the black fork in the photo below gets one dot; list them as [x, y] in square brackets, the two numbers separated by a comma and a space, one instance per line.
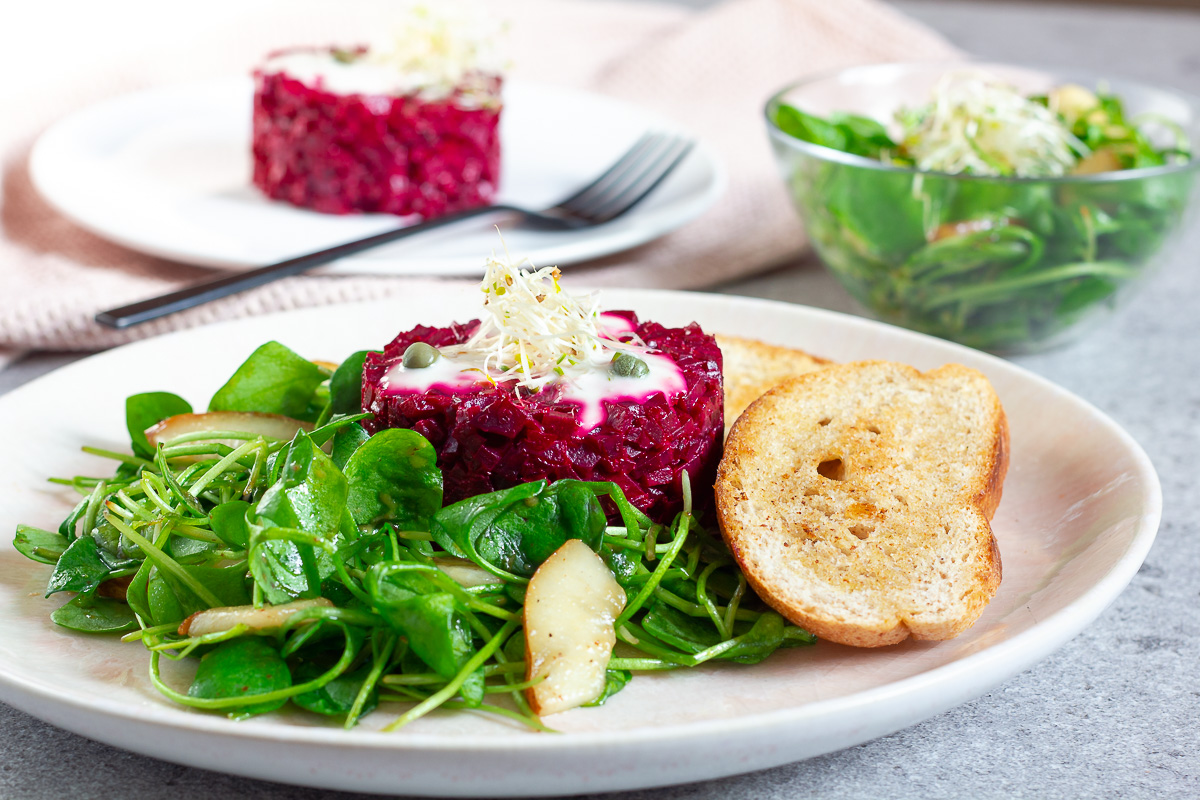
[618, 189]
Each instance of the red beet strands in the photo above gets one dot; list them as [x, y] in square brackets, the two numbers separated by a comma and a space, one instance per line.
[400, 155]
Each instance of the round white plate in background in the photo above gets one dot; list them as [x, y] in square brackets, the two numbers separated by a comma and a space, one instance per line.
[1080, 510]
[166, 171]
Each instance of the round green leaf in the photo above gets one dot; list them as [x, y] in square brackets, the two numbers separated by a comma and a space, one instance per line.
[336, 697]
[393, 476]
[244, 667]
[96, 615]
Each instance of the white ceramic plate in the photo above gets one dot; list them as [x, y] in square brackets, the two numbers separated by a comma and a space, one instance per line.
[1081, 506]
[167, 172]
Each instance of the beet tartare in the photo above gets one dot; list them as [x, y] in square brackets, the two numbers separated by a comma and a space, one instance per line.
[410, 128]
[544, 387]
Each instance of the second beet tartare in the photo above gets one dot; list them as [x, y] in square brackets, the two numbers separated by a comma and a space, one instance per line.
[409, 126]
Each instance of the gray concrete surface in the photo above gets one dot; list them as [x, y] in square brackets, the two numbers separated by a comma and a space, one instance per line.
[1113, 714]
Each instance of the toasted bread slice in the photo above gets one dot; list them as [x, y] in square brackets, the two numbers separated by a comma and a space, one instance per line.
[753, 367]
[857, 500]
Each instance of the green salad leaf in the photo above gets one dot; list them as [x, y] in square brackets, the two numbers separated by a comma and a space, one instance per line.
[243, 667]
[345, 385]
[145, 410]
[39, 545]
[850, 133]
[512, 531]
[95, 615]
[309, 494]
[393, 477]
[273, 380]
[79, 569]
[337, 697]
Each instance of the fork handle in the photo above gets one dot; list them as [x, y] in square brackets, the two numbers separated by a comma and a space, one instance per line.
[206, 291]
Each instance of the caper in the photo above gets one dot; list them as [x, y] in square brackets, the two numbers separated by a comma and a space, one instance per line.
[419, 355]
[628, 366]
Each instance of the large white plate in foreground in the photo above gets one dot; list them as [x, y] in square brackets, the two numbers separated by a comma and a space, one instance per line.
[166, 171]
[1080, 510]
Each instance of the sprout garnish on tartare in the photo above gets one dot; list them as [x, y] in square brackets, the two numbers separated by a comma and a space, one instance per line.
[533, 331]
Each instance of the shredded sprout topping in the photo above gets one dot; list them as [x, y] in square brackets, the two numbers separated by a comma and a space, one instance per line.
[977, 124]
[534, 331]
[439, 44]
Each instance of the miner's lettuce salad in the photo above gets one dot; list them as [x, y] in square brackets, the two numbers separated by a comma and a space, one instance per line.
[999, 219]
[294, 559]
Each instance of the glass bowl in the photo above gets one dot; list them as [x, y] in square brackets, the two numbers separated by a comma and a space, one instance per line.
[1002, 264]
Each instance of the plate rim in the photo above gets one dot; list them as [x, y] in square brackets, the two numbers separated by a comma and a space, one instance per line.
[43, 174]
[973, 674]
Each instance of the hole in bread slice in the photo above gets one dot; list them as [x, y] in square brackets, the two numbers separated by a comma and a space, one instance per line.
[862, 530]
[833, 469]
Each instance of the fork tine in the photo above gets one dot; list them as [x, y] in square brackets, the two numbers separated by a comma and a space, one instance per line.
[632, 165]
[622, 164]
[635, 186]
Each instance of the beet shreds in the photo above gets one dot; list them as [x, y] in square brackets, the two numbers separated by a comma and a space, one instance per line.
[492, 436]
[402, 155]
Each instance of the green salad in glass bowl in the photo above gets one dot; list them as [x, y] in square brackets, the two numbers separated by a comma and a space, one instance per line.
[995, 206]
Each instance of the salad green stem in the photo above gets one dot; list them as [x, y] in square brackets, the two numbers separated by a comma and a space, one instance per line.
[227, 461]
[660, 571]
[707, 603]
[451, 688]
[1000, 290]
[124, 458]
[167, 564]
[383, 644]
[731, 610]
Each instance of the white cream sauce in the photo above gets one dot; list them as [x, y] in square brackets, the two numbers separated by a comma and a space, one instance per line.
[614, 325]
[433, 48]
[320, 70]
[589, 389]
[592, 389]
[448, 374]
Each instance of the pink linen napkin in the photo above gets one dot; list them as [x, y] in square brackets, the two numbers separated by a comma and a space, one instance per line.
[711, 71]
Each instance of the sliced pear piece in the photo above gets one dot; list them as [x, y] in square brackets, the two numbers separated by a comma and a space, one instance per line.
[272, 426]
[571, 604]
[259, 620]
[1103, 160]
[466, 573]
[1072, 101]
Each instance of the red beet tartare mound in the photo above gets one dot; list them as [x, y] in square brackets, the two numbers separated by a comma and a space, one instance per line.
[492, 436]
[396, 154]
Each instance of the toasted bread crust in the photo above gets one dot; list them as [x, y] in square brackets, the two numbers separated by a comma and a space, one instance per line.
[892, 539]
[752, 368]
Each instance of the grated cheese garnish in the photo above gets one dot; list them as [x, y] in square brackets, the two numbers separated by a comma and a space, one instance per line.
[979, 125]
[533, 331]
